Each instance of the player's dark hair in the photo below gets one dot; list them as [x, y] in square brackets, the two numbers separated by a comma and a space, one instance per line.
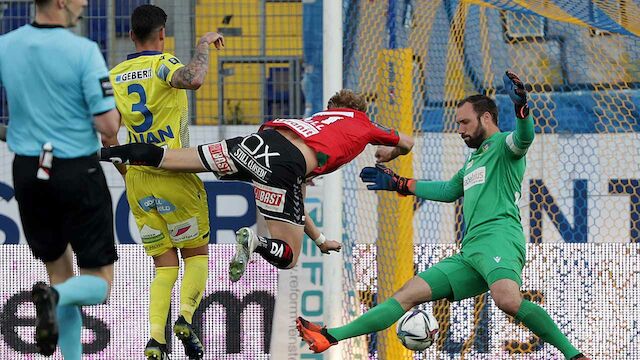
[145, 20]
[346, 98]
[482, 104]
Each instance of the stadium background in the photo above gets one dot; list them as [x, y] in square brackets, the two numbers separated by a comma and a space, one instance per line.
[414, 59]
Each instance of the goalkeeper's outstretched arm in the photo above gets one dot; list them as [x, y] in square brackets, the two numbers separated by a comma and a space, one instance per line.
[443, 191]
[383, 178]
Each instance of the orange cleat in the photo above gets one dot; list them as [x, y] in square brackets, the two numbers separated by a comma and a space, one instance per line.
[316, 336]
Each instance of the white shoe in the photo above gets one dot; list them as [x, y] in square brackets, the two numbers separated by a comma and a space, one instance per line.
[246, 243]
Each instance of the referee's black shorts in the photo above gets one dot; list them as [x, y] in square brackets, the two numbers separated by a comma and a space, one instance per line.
[72, 207]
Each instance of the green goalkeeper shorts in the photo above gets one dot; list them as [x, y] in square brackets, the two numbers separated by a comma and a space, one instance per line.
[481, 262]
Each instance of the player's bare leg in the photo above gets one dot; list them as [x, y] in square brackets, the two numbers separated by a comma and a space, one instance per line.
[281, 249]
[507, 297]
[60, 269]
[414, 292]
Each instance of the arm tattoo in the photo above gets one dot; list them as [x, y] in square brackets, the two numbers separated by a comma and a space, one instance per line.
[193, 73]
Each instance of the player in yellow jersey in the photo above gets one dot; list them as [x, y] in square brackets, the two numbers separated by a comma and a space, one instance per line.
[170, 208]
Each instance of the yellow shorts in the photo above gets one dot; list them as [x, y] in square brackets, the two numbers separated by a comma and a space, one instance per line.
[171, 210]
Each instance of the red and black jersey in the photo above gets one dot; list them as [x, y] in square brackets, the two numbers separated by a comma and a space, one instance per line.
[337, 135]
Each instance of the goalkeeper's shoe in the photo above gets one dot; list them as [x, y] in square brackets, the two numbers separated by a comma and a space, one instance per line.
[45, 299]
[156, 351]
[246, 243]
[192, 346]
[316, 336]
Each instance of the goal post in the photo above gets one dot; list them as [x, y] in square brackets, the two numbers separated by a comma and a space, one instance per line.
[332, 183]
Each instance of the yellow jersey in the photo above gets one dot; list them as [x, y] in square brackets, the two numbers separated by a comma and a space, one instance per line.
[152, 111]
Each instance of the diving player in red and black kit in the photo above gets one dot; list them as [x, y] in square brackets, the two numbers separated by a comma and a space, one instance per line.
[278, 160]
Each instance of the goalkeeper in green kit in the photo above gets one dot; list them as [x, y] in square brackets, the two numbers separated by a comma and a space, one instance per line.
[493, 249]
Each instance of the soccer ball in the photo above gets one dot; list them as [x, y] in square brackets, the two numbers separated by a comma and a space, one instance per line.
[417, 329]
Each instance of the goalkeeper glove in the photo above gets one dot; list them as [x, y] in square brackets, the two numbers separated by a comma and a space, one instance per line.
[383, 178]
[517, 93]
[133, 154]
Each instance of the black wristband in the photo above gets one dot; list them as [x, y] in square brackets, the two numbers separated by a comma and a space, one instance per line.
[403, 186]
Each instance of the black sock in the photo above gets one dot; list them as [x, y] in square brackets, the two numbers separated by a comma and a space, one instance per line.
[275, 251]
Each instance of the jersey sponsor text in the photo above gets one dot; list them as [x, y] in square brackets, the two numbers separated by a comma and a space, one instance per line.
[303, 128]
[474, 178]
[134, 75]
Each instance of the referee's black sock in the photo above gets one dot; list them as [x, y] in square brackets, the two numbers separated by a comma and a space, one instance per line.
[277, 252]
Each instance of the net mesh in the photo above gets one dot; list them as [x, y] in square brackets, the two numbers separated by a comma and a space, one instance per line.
[415, 60]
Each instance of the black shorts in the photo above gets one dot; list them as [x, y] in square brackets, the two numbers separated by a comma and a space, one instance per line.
[72, 207]
[275, 166]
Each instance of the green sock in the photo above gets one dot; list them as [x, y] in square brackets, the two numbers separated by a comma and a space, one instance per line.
[378, 318]
[540, 323]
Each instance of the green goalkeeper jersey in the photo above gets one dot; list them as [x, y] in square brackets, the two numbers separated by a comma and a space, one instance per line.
[490, 181]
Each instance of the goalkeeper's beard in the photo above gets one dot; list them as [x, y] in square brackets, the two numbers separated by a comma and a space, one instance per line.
[474, 141]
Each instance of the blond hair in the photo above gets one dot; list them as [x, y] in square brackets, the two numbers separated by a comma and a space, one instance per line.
[346, 98]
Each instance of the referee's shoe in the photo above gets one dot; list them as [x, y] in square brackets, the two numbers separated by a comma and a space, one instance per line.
[45, 298]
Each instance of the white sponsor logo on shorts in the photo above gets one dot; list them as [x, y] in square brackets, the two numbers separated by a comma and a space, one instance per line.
[150, 235]
[217, 156]
[184, 231]
[243, 157]
[269, 198]
[474, 178]
[253, 154]
[260, 150]
[497, 259]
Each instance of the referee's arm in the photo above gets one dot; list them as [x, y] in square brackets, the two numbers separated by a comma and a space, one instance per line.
[98, 94]
[107, 124]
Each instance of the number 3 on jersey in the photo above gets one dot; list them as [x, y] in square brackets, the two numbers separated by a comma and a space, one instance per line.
[141, 107]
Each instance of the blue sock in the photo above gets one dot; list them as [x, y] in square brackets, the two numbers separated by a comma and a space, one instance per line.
[69, 327]
[82, 290]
